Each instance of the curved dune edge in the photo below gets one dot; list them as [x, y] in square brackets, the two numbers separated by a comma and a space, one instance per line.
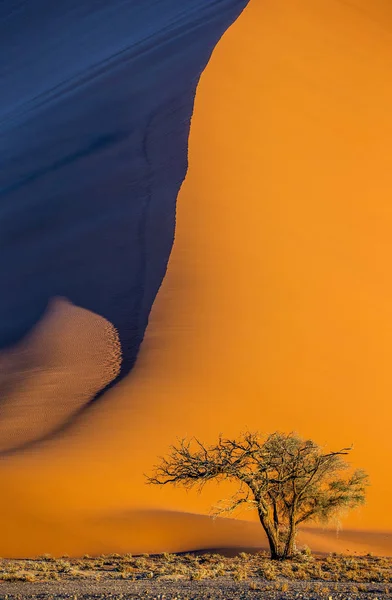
[180, 532]
[276, 310]
[69, 355]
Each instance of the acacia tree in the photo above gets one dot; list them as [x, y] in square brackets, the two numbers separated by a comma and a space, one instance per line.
[287, 479]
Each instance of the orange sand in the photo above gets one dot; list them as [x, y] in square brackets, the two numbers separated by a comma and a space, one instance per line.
[276, 312]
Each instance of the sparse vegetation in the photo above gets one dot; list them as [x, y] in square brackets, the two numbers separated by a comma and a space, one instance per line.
[287, 479]
[243, 567]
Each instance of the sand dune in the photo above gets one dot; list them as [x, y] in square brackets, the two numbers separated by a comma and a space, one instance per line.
[156, 531]
[276, 311]
[94, 124]
[181, 532]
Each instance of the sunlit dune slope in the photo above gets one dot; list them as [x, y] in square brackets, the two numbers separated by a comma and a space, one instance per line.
[276, 311]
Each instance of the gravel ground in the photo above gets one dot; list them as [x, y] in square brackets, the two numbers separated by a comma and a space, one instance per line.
[221, 589]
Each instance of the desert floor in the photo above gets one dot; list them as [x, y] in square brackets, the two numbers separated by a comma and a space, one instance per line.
[197, 575]
[187, 590]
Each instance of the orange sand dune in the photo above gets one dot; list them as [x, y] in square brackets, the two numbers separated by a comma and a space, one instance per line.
[202, 532]
[140, 531]
[276, 312]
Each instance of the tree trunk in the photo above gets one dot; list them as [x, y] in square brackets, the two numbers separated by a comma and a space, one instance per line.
[289, 548]
[272, 535]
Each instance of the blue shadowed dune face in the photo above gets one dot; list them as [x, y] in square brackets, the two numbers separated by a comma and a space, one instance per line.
[95, 109]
